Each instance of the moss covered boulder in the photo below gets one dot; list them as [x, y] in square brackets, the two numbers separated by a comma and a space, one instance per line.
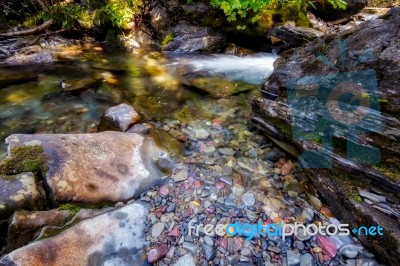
[96, 168]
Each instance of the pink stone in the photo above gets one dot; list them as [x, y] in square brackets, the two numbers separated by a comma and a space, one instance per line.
[186, 185]
[164, 191]
[220, 185]
[174, 232]
[202, 147]
[287, 169]
[155, 254]
[237, 243]
[217, 122]
[196, 184]
[224, 243]
[281, 162]
[327, 245]
[209, 210]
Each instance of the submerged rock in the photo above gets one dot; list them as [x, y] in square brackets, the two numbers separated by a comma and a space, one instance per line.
[100, 167]
[112, 238]
[119, 118]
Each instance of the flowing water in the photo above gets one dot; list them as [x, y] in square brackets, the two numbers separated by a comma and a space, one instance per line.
[184, 87]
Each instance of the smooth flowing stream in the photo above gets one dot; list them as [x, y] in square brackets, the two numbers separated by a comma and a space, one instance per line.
[185, 87]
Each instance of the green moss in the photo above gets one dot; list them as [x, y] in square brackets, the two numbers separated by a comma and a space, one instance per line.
[74, 209]
[167, 39]
[282, 126]
[25, 159]
[350, 185]
[387, 172]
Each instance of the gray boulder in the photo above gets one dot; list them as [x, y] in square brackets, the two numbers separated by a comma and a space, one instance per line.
[192, 39]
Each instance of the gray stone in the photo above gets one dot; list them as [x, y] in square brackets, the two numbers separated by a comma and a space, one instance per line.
[249, 199]
[190, 247]
[307, 260]
[293, 258]
[227, 151]
[201, 133]
[350, 250]
[186, 260]
[208, 240]
[372, 196]
[208, 252]
[119, 118]
[157, 229]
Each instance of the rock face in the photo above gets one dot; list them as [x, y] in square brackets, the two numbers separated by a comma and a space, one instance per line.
[295, 36]
[119, 118]
[19, 191]
[343, 91]
[328, 13]
[23, 226]
[190, 39]
[101, 167]
[112, 238]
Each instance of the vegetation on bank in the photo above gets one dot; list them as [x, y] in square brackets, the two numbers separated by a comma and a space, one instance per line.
[128, 14]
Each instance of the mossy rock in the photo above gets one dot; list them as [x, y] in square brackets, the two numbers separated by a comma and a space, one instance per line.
[22, 159]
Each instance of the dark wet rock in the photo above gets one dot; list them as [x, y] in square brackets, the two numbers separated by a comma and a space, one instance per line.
[119, 118]
[328, 13]
[307, 260]
[8, 77]
[190, 39]
[209, 252]
[115, 237]
[218, 87]
[19, 191]
[295, 36]
[24, 226]
[293, 258]
[107, 166]
[280, 118]
[142, 128]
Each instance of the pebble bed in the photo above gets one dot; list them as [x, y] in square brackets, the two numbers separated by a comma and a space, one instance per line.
[232, 173]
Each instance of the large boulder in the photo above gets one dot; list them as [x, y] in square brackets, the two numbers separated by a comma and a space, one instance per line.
[336, 101]
[295, 36]
[113, 238]
[100, 167]
[191, 39]
[327, 12]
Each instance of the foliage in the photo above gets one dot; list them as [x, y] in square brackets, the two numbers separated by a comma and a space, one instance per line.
[167, 39]
[120, 13]
[263, 11]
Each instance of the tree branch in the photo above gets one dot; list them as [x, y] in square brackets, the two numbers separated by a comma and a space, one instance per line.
[28, 31]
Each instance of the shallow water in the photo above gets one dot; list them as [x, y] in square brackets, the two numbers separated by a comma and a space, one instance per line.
[160, 87]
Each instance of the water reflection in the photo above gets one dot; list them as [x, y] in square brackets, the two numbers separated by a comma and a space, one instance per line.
[181, 87]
